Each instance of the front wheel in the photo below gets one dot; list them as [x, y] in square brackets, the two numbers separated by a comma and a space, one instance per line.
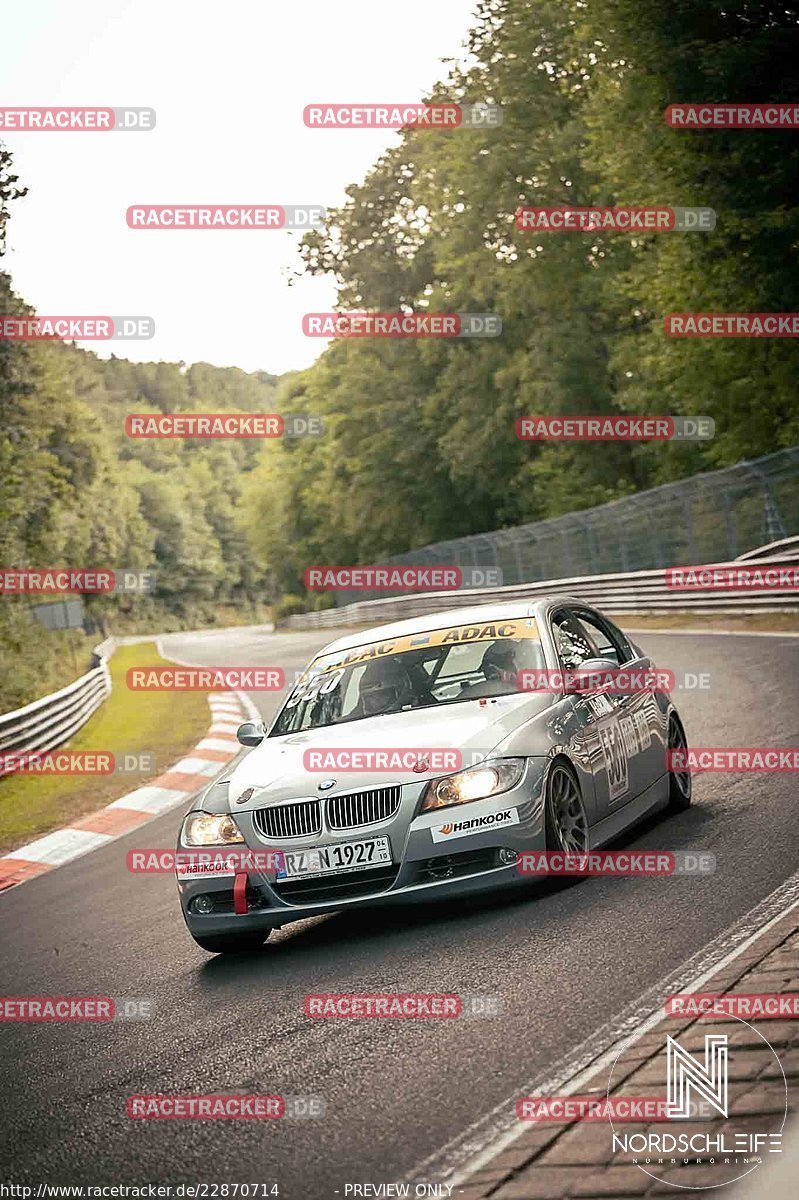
[232, 943]
[566, 818]
[680, 789]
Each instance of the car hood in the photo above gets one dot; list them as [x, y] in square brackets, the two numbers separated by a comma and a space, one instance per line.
[275, 768]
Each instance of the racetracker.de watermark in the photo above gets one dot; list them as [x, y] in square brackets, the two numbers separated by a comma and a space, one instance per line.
[203, 864]
[218, 1106]
[591, 1108]
[733, 758]
[398, 1005]
[226, 216]
[422, 760]
[76, 762]
[731, 325]
[401, 325]
[76, 120]
[614, 681]
[76, 329]
[47, 581]
[615, 429]
[385, 115]
[616, 862]
[222, 425]
[205, 679]
[732, 116]
[746, 1006]
[630, 219]
[391, 578]
[733, 578]
[75, 1008]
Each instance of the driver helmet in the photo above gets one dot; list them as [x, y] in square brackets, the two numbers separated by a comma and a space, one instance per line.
[499, 662]
[385, 687]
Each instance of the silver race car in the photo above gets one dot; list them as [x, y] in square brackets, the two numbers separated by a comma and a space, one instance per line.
[345, 801]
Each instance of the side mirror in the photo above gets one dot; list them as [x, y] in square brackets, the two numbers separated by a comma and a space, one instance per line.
[251, 733]
[581, 681]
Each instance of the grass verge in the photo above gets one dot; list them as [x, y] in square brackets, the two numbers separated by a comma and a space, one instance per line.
[167, 724]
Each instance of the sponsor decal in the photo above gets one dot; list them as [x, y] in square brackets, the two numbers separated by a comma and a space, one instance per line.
[522, 627]
[471, 825]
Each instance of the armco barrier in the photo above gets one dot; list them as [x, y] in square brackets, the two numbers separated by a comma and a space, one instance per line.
[633, 592]
[53, 720]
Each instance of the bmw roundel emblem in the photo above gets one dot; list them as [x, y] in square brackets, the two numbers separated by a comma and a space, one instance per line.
[326, 785]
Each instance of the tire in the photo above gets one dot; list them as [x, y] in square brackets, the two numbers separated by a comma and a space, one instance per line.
[566, 820]
[680, 787]
[232, 943]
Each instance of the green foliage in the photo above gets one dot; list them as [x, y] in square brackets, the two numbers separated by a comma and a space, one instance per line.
[421, 444]
[287, 606]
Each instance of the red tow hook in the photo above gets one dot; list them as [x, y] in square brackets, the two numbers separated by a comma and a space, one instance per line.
[240, 894]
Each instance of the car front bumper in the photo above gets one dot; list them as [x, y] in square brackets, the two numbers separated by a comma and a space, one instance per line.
[423, 870]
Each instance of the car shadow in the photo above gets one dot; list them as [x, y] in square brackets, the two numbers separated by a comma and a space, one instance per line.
[344, 930]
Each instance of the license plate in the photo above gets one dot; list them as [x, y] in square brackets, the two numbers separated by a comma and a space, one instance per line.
[332, 860]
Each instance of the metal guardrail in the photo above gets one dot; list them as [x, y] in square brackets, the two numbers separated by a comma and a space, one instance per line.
[630, 592]
[711, 517]
[48, 723]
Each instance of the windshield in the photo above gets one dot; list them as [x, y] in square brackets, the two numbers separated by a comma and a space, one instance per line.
[424, 670]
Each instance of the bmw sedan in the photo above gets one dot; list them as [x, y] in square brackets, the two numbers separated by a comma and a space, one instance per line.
[420, 760]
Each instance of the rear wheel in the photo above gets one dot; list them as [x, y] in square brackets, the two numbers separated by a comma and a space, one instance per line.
[232, 943]
[566, 818]
[680, 788]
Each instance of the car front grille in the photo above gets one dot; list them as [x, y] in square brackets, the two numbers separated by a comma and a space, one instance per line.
[362, 808]
[298, 819]
[336, 887]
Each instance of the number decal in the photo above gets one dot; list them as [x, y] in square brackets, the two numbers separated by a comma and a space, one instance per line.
[615, 759]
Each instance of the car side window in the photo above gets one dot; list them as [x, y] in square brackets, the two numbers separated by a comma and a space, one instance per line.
[573, 642]
[609, 641]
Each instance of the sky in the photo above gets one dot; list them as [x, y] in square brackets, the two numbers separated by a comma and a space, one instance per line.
[229, 82]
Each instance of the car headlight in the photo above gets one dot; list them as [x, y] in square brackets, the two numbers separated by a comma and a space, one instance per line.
[476, 783]
[209, 829]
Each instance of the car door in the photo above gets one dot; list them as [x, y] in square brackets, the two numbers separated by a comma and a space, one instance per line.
[596, 715]
[640, 718]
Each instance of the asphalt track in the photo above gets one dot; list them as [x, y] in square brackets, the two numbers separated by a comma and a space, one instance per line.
[562, 960]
